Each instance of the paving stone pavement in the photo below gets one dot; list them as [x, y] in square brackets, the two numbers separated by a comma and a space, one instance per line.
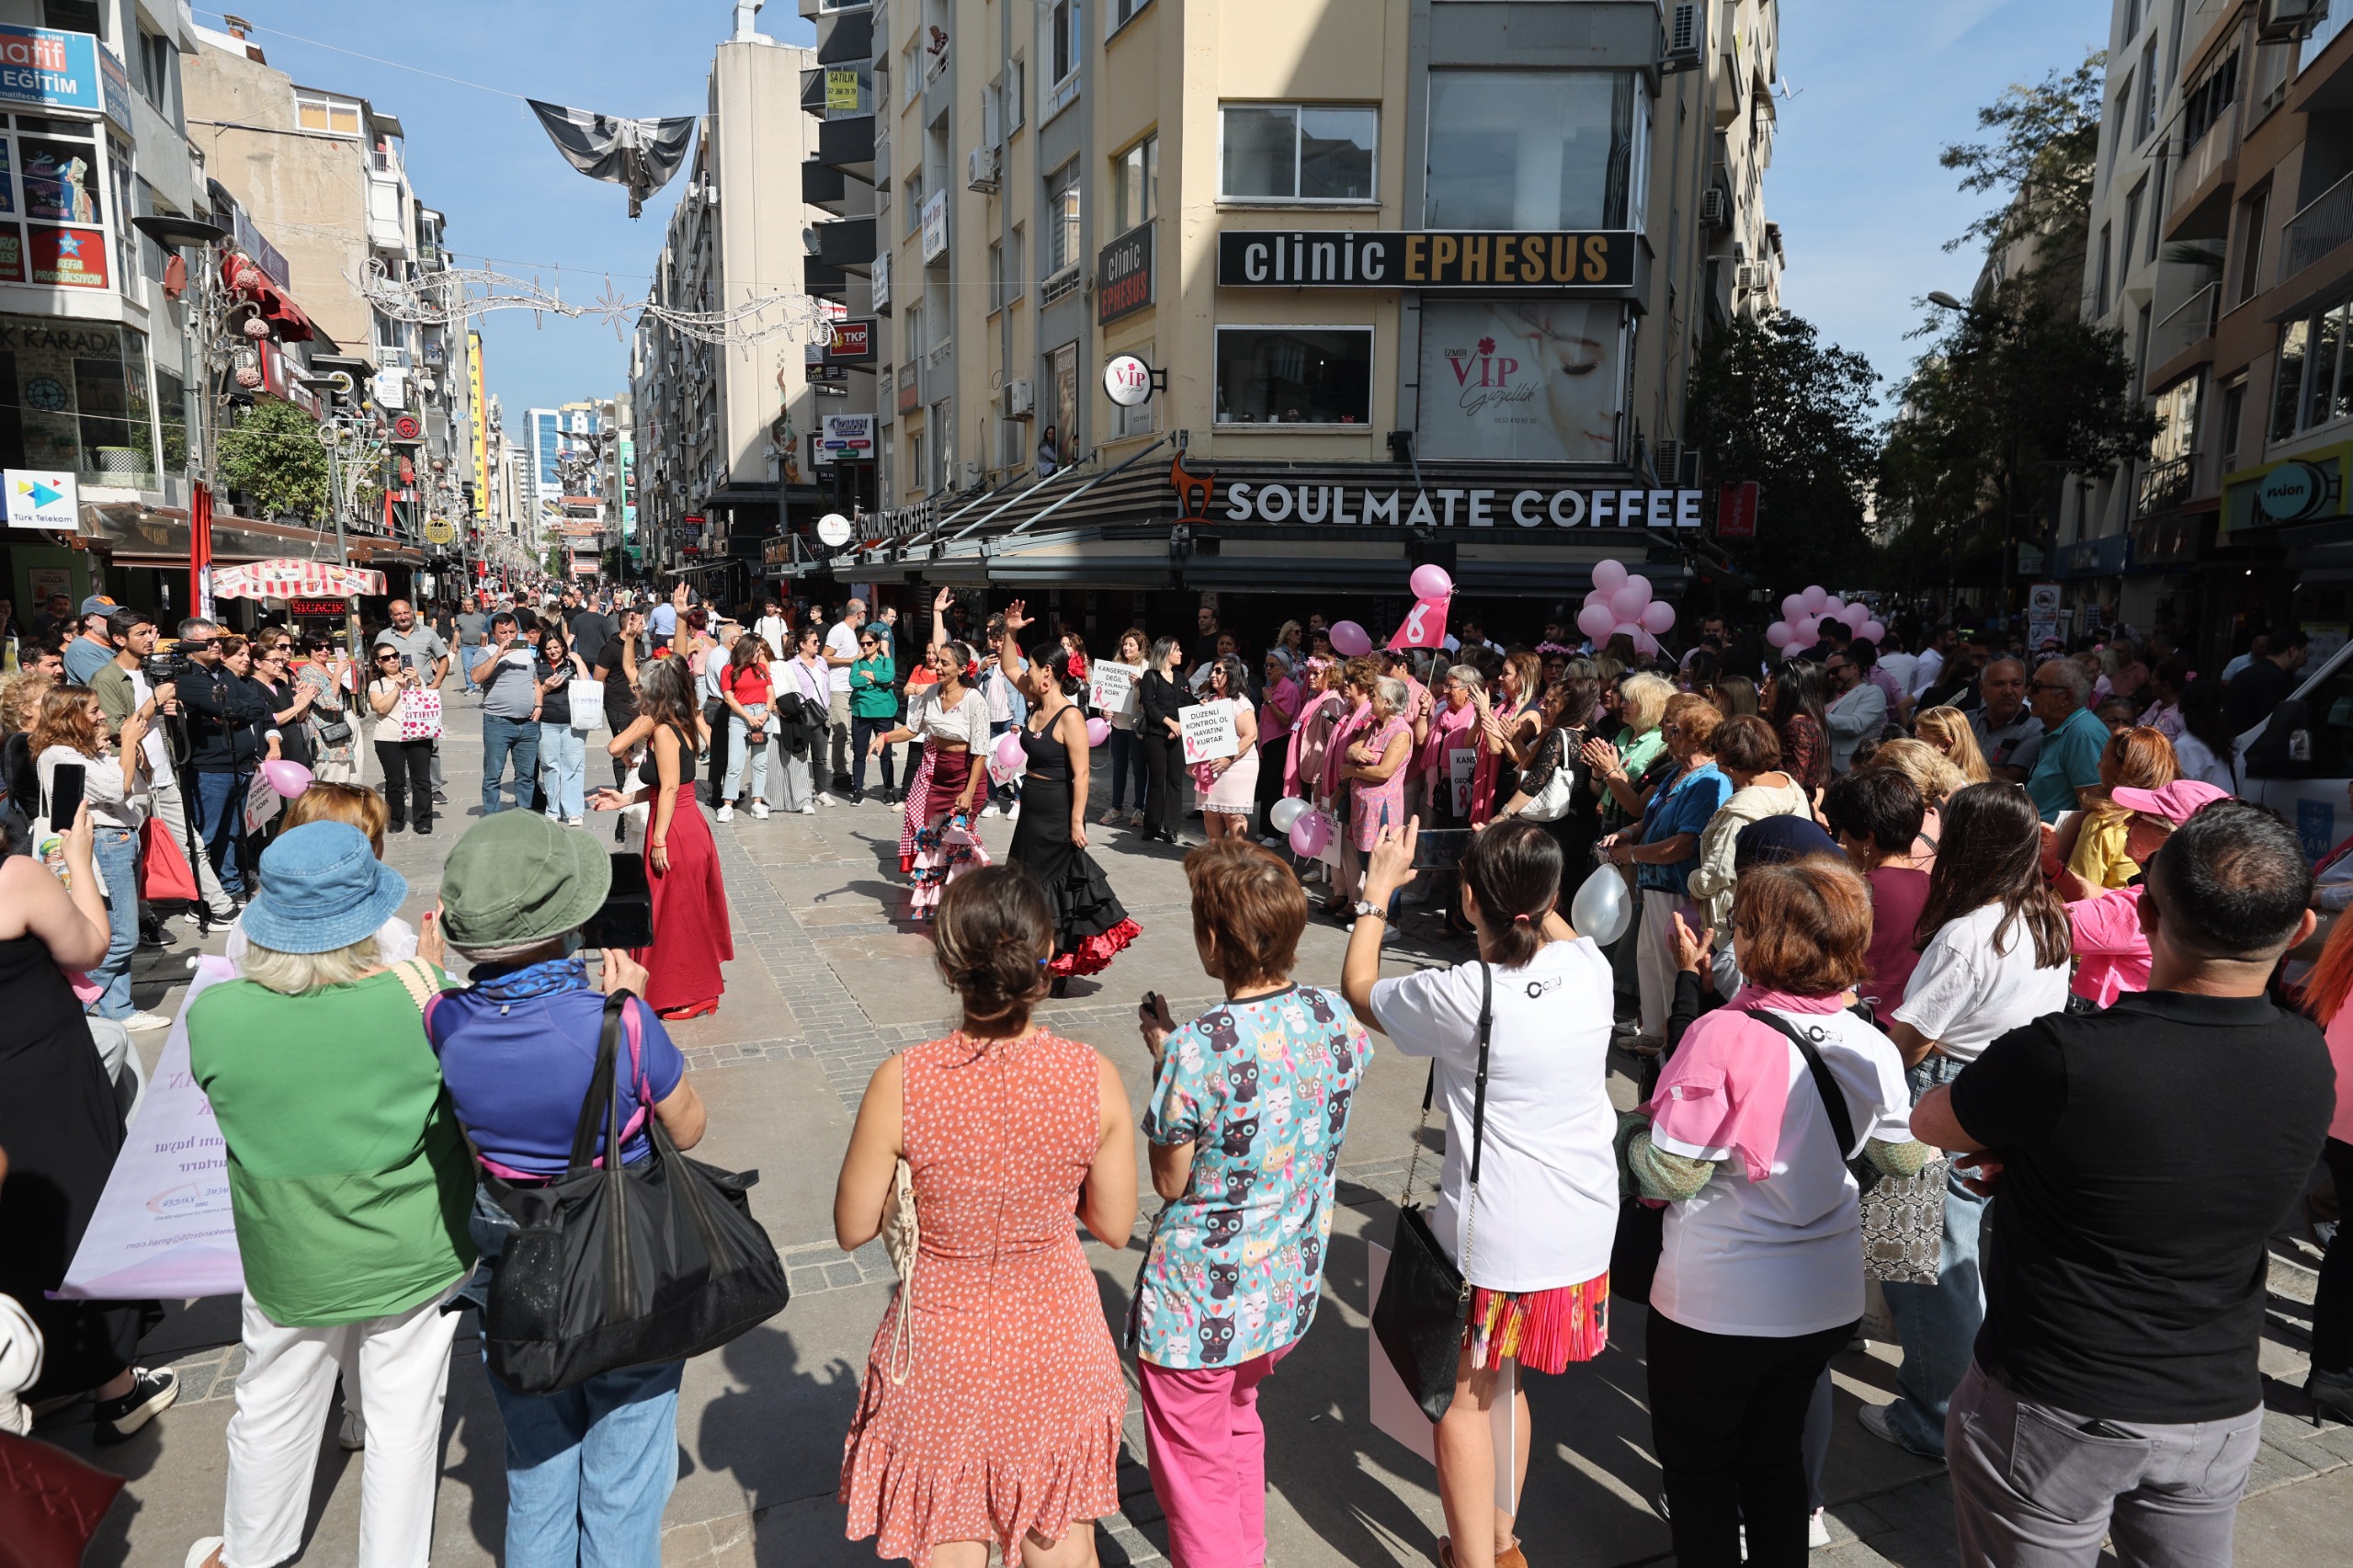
[825, 984]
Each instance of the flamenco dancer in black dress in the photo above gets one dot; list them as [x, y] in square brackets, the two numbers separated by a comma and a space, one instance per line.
[1049, 839]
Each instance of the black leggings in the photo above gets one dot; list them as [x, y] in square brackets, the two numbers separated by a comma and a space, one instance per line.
[408, 781]
[1727, 1418]
[1272, 757]
[1165, 798]
[2333, 1305]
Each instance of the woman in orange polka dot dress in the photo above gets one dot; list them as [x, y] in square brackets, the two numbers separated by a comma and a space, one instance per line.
[993, 1413]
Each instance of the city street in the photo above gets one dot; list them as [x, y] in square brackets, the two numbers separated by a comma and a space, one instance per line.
[826, 984]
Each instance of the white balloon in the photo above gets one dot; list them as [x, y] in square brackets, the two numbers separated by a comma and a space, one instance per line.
[1285, 812]
[1602, 909]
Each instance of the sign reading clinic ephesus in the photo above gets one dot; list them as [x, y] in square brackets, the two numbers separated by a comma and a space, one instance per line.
[1387, 258]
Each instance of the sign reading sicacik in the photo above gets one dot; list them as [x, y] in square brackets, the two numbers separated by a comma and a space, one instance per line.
[1385, 259]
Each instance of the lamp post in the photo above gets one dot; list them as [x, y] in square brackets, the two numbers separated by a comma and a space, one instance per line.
[207, 325]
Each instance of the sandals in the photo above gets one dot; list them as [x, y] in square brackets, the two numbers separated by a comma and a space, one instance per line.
[1508, 1555]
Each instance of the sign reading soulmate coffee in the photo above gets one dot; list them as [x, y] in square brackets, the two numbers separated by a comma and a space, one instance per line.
[1384, 259]
[1368, 505]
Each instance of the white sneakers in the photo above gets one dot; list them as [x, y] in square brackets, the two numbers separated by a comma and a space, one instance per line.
[727, 810]
[760, 811]
[146, 1021]
[825, 800]
[1013, 812]
[990, 810]
[810, 810]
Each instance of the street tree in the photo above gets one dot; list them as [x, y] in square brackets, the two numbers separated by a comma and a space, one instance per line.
[2040, 160]
[272, 455]
[1770, 401]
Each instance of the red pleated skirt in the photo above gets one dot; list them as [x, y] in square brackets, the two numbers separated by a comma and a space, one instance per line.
[690, 934]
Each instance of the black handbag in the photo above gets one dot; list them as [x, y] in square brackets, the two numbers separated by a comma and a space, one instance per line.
[623, 1265]
[1426, 1299]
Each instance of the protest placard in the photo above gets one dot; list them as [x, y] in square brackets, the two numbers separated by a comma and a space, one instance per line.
[263, 802]
[1461, 763]
[1111, 689]
[1209, 732]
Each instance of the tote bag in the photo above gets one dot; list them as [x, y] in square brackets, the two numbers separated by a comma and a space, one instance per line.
[616, 1266]
[1425, 1300]
[588, 700]
[420, 714]
[164, 871]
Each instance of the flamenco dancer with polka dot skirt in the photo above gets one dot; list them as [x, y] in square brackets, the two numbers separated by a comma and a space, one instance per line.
[1049, 839]
[990, 1408]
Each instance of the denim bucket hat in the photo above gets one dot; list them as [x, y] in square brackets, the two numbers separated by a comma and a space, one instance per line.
[322, 888]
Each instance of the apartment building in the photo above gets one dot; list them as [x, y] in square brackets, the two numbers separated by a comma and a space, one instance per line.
[722, 434]
[1382, 285]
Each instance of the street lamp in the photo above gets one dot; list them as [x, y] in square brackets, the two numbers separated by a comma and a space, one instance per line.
[1943, 300]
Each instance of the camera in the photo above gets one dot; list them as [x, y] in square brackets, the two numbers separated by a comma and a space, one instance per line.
[165, 666]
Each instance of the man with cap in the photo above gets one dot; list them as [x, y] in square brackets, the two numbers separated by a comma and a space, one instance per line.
[93, 650]
[350, 1186]
[517, 1048]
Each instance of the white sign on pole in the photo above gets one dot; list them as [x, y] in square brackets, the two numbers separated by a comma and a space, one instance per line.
[1111, 687]
[1394, 1412]
[845, 438]
[43, 498]
[1209, 732]
[1128, 379]
[1461, 764]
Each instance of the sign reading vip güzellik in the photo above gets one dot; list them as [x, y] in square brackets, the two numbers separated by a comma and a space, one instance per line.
[1386, 259]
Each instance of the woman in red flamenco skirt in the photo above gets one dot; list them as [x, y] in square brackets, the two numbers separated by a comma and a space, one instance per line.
[691, 938]
[1050, 840]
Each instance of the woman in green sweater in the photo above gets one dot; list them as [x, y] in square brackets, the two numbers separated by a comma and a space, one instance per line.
[873, 711]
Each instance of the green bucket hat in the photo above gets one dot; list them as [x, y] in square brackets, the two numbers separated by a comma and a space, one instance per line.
[517, 877]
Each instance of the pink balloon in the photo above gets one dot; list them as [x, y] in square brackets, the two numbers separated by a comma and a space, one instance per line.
[1816, 598]
[1857, 617]
[1636, 580]
[1645, 644]
[1793, 609]
[1595, 622]
[1658, 616]
[1609, 575]
[1429, 581]
[1312, 834]
[1097, 731]
[1628, 601]
[1779, 634]
[1009, 758]
[1350, 639]
[1809, 632]
[1627, 628]
[1835, 608]
[289, 778]
[1873, 632]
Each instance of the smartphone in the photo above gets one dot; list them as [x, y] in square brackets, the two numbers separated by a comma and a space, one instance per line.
[64, 795]
[625, 920]
[1442, 848]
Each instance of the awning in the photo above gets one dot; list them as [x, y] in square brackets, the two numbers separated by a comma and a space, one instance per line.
[135, 535]
[285, 578]
[246, 280]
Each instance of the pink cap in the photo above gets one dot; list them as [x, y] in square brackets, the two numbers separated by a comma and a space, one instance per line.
[2177, 802]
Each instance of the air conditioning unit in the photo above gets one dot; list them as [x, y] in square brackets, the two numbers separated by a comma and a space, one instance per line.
[1715, 208]
[1019, 401]
[1683, 30]
[980, 170]
[2284, 19]
[1752, 277]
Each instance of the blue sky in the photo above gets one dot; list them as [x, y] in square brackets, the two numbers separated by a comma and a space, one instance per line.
[1864, 210]
[1880, 90]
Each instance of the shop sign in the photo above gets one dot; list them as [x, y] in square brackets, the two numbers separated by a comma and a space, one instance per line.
[880, 278]
[1388, 258]
[1737, 510]
[841, 92]
[1520, 380]
[315, 606]
[934, 226]
[67, 259]
[2294, 490]
[12, 254]
[43, 498]
[1123, 274]
[113, 88]
[845, 438]
[851, 342]
[1365, 505]
[57, 70]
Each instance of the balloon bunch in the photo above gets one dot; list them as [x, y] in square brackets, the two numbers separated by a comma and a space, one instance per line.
[1621, 602]
[1309, 830]
[1803, 616]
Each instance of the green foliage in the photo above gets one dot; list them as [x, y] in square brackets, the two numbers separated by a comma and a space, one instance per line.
[2043, 154]
[1770, 402]
[272, 454]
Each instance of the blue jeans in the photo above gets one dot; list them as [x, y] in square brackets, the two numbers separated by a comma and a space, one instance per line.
[1127, 756]
[116, 850]
[564, 760]
[862, 734]
[220, 823]
[1937, 1323]
[736, 747]
[499, 737]
[589, 1470]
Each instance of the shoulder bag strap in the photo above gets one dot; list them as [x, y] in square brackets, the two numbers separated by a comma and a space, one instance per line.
[1478, 1121]
[600, 1102]
[1834, 1099]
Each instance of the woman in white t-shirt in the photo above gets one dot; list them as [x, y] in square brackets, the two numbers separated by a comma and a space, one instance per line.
[1536, 1234]
[1996, 953]
[1760, 1274]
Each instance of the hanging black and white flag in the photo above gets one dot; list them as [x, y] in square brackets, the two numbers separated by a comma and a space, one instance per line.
[639, 154]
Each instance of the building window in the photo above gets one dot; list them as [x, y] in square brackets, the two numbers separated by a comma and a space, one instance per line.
[1294, 375]
[156, 58]
[1534, 150]
[171, 407]
[2099, 279]
[388, 331]
[1016, 281]
[2208, 104]
[1135, 185]
[912, 196]
[321, 111]
[1017, 108]
[2233, 420]
[1122, 10]
[77, 400]
[1063, 244]
[74, 17]
[1297, 153]
[2253, 211]
[1063, 39]
[1136, 421]
[2148, 92]
[2132, 204]
[997, 275]
[915, 468]
[2156, 186]
[1061, 382]
[943, 446]
[2312, 387]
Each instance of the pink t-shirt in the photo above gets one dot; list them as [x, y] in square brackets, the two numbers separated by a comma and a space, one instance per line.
[2112, 953]
[2340, 1051]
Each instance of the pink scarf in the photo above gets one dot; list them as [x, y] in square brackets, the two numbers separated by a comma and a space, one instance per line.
[1335, 750]
[1308, 739]
[1451, 730]
[1727, 1085]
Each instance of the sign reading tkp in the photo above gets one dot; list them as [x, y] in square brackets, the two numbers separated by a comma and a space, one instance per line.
[43, 498]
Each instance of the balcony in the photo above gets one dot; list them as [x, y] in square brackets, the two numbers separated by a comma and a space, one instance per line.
[2164, 486]
[2188, 324]
[826, 282]
[825, 186]
[848, 145]
[846, 244]
[850, 40]
[2324, 223]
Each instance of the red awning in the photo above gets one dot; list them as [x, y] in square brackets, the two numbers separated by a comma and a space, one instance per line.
[249, 282]
[285, 579]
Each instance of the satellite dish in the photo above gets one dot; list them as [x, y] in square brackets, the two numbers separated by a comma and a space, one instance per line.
[833, 531]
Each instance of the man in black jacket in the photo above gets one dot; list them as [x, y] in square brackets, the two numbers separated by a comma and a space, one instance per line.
[224, 720]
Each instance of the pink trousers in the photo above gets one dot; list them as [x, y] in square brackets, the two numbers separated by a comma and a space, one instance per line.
[1209, 1459]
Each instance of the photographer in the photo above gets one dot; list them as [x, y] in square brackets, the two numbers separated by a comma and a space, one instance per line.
[222, 712]
[137, 676]
[407, 764]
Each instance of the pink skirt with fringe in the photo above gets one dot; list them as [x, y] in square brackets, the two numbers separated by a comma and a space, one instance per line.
[1542, 1329]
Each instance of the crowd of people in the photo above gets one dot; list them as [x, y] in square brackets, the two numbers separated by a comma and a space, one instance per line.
[1902, 940]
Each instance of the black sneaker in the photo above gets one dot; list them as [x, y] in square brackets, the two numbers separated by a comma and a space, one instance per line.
[440, 798]
[153, 1391]
[396, 827]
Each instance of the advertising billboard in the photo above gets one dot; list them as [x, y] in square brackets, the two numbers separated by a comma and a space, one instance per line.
[1533, 380]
